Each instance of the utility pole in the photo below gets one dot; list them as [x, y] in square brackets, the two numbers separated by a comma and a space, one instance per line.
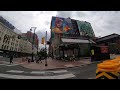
[46, 49]
[33, 42]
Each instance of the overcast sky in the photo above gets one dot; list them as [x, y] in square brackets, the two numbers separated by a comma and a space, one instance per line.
[103, 22]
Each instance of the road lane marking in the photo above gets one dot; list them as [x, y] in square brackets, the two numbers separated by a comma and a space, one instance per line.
[64, 76]
[37, 72]
[15, 71]
[59, 71]
[43, 72]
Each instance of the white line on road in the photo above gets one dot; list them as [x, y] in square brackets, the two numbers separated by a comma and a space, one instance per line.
[37, 77]
[43, 72]
[37, 72]
[9, 64]
[15, 71]
[59, 71]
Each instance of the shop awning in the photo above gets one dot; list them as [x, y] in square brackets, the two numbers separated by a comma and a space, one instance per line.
[76, 41]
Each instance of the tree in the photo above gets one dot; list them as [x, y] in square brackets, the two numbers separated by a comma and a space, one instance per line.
[42, 53]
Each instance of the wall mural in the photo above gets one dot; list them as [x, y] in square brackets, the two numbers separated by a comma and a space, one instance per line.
[70, 26]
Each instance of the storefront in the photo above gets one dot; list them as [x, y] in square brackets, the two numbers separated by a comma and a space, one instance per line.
[70, 48]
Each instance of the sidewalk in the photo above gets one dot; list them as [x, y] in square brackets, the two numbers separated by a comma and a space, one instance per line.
[7, 60]
[55, 64]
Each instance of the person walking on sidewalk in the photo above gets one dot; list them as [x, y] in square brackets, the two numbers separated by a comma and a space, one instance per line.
[11, 58]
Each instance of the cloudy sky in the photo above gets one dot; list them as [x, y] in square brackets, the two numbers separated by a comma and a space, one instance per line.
[103, 22]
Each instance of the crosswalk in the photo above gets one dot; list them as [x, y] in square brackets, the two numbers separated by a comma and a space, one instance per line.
[7, 64]
[53, 74]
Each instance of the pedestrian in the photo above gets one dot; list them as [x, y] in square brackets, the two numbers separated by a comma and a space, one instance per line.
[11, 58]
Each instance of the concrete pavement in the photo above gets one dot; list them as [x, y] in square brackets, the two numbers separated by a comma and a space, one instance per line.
[55, 64]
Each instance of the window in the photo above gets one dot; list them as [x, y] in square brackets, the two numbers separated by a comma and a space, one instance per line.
[7, 47]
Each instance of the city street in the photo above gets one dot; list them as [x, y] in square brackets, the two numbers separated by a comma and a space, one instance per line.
[56, 69]
[19, 72]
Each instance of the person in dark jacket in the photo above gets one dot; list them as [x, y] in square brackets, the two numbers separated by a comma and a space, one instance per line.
[11, 58]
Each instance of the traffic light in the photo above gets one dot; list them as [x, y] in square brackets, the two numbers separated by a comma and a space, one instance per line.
[43, 40]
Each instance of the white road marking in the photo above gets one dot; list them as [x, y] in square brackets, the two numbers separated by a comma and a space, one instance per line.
[43, 72]
[37, 72]
[37, 77]
[15, 71]
[9, 64]
[59, 71]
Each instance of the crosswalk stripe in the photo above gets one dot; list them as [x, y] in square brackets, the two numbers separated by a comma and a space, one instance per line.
[59, 71]
[15, 71]
[43, 72]
[64, 76]
[37, 72]
[9, 64]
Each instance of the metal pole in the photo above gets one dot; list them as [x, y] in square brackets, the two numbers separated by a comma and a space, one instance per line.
[33, 44]
[46, 49]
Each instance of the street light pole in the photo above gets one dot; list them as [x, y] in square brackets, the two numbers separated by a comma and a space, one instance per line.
[46, 49]
[33, 42]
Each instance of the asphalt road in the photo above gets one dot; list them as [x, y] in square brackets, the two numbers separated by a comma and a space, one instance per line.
[84, 72]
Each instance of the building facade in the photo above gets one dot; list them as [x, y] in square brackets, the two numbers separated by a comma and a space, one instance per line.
[112, 40]
[11, 42]
[30, 36]
[70, 37]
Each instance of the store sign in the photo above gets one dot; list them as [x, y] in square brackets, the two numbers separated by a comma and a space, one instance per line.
[104, 49]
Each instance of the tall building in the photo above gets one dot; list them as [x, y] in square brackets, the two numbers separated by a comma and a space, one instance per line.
[11, 42]
[29, 36]
[70, 37]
